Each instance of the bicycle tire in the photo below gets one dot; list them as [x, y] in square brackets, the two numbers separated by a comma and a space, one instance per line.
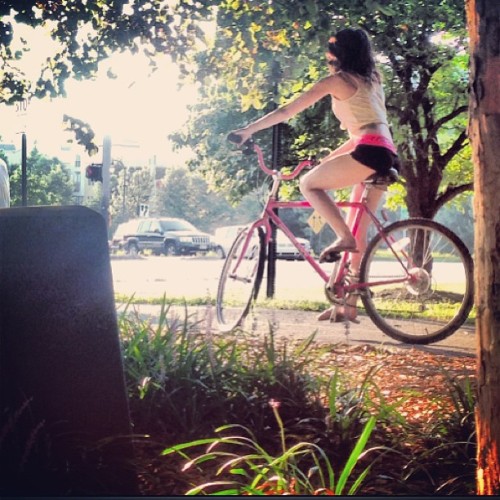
[437, 296]
[239, 286]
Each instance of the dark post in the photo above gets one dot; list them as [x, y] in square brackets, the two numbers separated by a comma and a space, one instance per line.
[24, 172]
[64, 419]
[275, 161]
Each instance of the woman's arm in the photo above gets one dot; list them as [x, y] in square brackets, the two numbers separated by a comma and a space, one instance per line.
[303, 101]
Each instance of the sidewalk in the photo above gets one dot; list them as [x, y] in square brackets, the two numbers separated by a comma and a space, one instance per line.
[296, 325]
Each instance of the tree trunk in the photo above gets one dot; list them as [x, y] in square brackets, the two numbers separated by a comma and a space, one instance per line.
[484, 130]
[421, 199]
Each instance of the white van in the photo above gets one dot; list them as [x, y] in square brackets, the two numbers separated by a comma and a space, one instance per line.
[224, 237]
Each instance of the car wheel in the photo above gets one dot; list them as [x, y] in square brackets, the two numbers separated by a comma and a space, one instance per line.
[133, 250]
[219, 251]
[170, 249]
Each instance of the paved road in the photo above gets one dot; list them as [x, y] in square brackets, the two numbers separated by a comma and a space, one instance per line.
[188, 277]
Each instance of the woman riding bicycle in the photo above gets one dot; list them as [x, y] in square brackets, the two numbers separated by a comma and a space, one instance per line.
[355, 87]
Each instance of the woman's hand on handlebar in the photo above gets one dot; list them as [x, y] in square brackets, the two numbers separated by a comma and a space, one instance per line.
[239, 136]
[242, 136]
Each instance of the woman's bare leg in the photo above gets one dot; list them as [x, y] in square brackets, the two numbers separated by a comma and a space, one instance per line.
[373, 200]
[335, 173]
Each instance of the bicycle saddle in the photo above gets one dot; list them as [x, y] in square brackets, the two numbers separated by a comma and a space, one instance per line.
[386, 179]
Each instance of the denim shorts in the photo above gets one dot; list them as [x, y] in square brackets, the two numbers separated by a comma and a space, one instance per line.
[378, 158]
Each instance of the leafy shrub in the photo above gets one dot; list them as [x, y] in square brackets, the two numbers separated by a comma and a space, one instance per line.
[447, 465]
[191, 381]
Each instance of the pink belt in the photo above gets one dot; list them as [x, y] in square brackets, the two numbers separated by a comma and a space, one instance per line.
[377, 140]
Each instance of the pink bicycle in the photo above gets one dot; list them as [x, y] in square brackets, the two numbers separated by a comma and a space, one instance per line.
[415, 280]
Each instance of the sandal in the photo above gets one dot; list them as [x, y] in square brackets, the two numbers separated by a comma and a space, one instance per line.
[332, 253]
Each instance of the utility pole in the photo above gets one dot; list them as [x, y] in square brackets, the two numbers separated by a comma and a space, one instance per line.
[106, 176]
[22, 111]
[24, 171]
[124, 194]
[106, 190]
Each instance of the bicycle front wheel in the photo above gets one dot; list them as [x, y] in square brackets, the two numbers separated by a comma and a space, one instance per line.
[240, 278]
[420, 278]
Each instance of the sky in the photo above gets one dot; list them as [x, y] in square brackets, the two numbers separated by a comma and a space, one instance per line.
[137, 109]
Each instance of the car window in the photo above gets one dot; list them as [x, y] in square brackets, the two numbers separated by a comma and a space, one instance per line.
[155, 227]
[176, 225]
[144, 227]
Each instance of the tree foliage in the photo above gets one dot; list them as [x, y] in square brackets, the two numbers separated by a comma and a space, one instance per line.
[88, 31]
[85, 33]
[263, 53]
[130, 187]
[266, 52]
[48, 182]
[185, 195]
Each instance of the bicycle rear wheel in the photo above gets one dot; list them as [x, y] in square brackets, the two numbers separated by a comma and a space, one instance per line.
[421, 285]
[240, 278]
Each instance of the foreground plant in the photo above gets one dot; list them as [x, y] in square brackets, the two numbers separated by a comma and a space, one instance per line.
[185, 384]
[180, 376]
[449, 462]
[299, 469]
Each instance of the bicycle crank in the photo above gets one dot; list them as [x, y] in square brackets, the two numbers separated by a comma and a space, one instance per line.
[331, 287]
[330, 294]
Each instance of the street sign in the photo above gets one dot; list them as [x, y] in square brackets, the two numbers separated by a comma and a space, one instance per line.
[143, 210]
[316, 222]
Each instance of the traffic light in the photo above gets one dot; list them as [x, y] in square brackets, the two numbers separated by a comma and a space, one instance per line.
[94, 172]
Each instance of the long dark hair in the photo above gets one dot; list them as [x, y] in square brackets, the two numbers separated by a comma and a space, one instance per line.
[353, 50]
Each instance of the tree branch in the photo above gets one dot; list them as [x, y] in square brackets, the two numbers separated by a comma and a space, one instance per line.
[445, 119]
[451, 192]
[455, 148]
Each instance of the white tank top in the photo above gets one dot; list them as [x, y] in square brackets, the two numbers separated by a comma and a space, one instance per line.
[366, 106]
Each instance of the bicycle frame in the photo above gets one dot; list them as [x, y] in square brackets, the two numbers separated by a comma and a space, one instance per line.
[270, 216]
[335, 280]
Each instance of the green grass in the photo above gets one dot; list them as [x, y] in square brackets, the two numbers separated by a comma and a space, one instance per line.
[438, 311]
[178, 301]
[184, 378]
[302, 468]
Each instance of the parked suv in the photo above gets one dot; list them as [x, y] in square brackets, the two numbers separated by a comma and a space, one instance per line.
[165, 235]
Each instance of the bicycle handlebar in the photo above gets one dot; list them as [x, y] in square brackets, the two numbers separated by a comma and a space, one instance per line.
[250, 147]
